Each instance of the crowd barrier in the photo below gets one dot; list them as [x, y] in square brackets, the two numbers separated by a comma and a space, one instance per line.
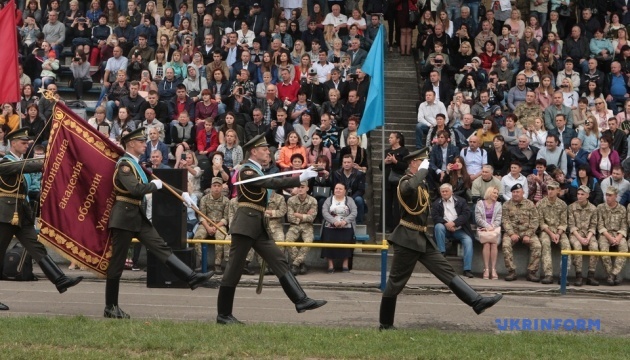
[564, 263]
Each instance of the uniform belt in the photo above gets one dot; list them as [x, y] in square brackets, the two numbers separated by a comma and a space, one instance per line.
[252, 206]
[13, 196]
[129, 200]
[412, 226]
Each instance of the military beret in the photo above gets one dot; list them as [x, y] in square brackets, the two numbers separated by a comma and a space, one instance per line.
[516, 187]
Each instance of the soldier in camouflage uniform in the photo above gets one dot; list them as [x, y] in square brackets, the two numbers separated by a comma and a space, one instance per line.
[528, 110]
[276, 210]
[552, 214]
[302, 210]
[520, 222]
[215, 206]
[582, 226]
[612, 227]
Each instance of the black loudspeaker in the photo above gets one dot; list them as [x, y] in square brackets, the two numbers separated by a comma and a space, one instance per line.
[160, 276]
[169, 213]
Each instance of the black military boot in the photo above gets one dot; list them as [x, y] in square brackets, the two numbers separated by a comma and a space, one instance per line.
[112, 287]
[183, 272]
[294, 291]
[578, 279]
[590, 280]
[469, 296]
[386, 315]
[225, 302]
[3, 307]
[56, 276]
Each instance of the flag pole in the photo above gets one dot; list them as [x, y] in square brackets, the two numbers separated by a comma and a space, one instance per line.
[383, 183]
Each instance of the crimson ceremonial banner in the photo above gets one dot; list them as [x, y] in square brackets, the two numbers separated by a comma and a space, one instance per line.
[77, 192]
[9, 78]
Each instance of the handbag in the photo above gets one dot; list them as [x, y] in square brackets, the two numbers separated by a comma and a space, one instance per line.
[564, 11]
[394, 177]
[414, 16]
[486, 236]
[482, 11]
[321, 192]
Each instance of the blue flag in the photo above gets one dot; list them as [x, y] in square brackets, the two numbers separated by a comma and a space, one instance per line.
[374, 114]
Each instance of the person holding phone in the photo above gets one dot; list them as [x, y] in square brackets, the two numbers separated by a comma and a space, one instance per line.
[183, 134]
[81, 79]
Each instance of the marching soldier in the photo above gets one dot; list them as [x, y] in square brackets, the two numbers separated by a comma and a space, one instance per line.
[553, 226]
[215, 206]
[412, 245]
[232, 206]
[612, 227]
[129, 220]
[520, 222]
[249, 231]
[16, 216]
[583, 225]
[302, 212]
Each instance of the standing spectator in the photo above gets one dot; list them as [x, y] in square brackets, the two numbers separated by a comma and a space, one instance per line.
[488, 215]
[394, 170]
[339, 212]
[613, 229]
[441, 157]
[451, 216]
[582, 224]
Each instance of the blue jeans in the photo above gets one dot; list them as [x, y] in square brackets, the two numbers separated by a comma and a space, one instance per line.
[453, 12]
[421, 132]
[110, 108]
[440, 233]
[474, 14]
[358, 200]
[37, 83]
[614, 104]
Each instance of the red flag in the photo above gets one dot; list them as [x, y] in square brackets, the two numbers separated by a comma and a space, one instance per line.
[9, 78]
[77, 191]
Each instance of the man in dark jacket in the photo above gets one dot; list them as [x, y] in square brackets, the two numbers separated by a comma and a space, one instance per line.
[576, 47]
[313, 33]
[451, 216]
[355, 184]
[441, 151]
[525, 154]
[576, 157]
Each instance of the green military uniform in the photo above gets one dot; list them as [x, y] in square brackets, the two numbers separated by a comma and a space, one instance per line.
[218, 211]
[526, 113]
[411, 245]
[249, 230]
[16, 216]
[583, 220]
[278, 206]
[232, 206]
[552, 216]
[521, 218]
[128, 220]
[300, 227]
[612, 220]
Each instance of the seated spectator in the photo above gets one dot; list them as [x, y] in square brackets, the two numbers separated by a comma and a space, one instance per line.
[427, 112]
[230, 123]
[487, 133]
[569, 73]
[589, 135]
[358, 153]
[292, 146]
[330, 135]
[537, 182]
[333, 107]
[353, 126]
[616, 180]
[511, 132]
[602, 114]
[603, 159]
[483, 109]
[483, 182]
[618, 136]
[488, 215]
[232, 151]
[181, 103]
[121, 123]
[183, 134]
[536, 132]
[81, 79]
[168, 85]
[474, 157]
[457, 110]
[10, 117]
[576, 157]
[218, 169]
[440, 125]
[562, 131]
[555, 109]
[194, 83]
[354, 182]
[529, 110]
[100, 122]
[569, 95]
[193, 174]
[208, 139]
[457, 176]
[612, 229]
[592, 93]
[154, 144]
[581, 113]
[512, 178]
[206, 108]
[584, 178]
[499, 157]
[553, 154]
[563, 182]
[517, 94]
[36, 125]
[451, 216]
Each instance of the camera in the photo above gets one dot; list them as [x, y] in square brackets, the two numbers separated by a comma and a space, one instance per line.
[40, 53]
[183, 157]
[563, 86]
[77, 59]
[353, 76]
[437, 61]
[241, 91]
[81, 20]
[312, 72]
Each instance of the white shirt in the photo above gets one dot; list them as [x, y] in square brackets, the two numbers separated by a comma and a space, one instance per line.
[323, 71]
[450, 214]
[427, 112]
[331, 19]
[508, 181]
[474, 159]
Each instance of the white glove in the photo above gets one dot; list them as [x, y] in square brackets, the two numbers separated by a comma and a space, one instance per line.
[424, 164]
[308, 174]
[158, 183]
[188, 201]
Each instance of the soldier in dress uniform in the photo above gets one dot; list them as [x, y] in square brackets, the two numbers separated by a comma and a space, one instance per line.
[302, 212]
[411, 245]
[612, 227]
[520, 222]
[215, 206]
[16, 216]
[553, 226]
[583, 227]
[250, 231]
[129, 220]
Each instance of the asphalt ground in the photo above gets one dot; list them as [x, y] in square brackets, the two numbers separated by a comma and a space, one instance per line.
[353, 300]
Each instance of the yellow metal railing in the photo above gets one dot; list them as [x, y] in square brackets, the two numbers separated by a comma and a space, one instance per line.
[564, 263]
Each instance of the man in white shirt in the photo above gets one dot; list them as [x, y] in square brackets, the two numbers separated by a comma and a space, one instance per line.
[323, 67]
[513, 178]
[427, 111]
[475, 157]
[338, 20]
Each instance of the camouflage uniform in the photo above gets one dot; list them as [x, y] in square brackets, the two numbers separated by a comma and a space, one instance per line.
[552, 216]
[612, 221]
[232, 206]
[275, 221]
[298, 226]
[584, 221]
[526, 114]
[217, 211]
[521, 219]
